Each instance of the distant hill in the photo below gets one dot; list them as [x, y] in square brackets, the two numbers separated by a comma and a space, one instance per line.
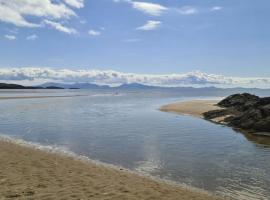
[16, 86]
[95, 86]
[54, 87]
[75, 86]
[88, 86]
[185, 91]
[48, 85]
[136, 86]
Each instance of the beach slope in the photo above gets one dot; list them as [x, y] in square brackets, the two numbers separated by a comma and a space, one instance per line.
[194, 108]
[28, 173]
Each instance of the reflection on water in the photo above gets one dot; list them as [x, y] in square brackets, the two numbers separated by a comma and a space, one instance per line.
[262, 141]
[127, 129]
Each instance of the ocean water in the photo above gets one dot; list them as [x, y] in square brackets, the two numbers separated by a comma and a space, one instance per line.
[125, 128]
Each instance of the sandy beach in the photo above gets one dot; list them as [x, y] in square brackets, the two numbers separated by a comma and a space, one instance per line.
[27, 173]
[194, 108]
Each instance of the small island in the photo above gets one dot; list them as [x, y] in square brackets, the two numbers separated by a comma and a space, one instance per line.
[16, 86]
[244, 112]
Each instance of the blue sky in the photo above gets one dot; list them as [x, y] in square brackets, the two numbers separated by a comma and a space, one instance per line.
[228, 37]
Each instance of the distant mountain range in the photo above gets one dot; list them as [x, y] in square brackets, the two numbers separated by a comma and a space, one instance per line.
[95, 86]
[75, 86]
[189, 91]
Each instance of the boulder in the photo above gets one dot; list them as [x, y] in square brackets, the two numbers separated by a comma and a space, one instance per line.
[262, 125]
[266, 110]
[215, 113]
[246, 111]
[239, 101]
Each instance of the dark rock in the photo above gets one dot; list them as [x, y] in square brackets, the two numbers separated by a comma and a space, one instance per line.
[239, 101]
[263, 101]
[247, 112]
[266, 110]
[262, 125]
[215, 113]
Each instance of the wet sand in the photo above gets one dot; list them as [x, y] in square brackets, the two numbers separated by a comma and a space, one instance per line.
[195, 108]
[28, 173]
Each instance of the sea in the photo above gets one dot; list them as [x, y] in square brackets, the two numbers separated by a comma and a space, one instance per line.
[125, 128]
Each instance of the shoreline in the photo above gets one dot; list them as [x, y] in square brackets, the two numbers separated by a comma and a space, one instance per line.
[194, 108]
[197, 108]
[28, 170]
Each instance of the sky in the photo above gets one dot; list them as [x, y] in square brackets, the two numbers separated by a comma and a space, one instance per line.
[228, 38]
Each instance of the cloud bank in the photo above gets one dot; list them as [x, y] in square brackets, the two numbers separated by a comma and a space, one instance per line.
[32, 76]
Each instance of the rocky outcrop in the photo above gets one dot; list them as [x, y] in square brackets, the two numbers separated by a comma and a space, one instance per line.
[244, 111]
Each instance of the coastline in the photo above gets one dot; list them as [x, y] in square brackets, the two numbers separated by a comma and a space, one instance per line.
[28, 172]
[197, 108]
[194, 108]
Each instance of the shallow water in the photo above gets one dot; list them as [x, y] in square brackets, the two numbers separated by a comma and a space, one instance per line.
[127, 129]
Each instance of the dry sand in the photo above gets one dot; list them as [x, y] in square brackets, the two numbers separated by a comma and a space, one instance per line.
[28, 173]
[194, 108]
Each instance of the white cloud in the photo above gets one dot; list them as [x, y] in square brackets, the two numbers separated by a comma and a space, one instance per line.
[75, 3]
[109, 77]
[60, 27]
[9, 15]
[150, 25]
[188, 10]
[157, 9]
[216, 8]
[31, 13]
[94, 33]
[146, 7]
[10, 37]
[32, 37]
[149, 8]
